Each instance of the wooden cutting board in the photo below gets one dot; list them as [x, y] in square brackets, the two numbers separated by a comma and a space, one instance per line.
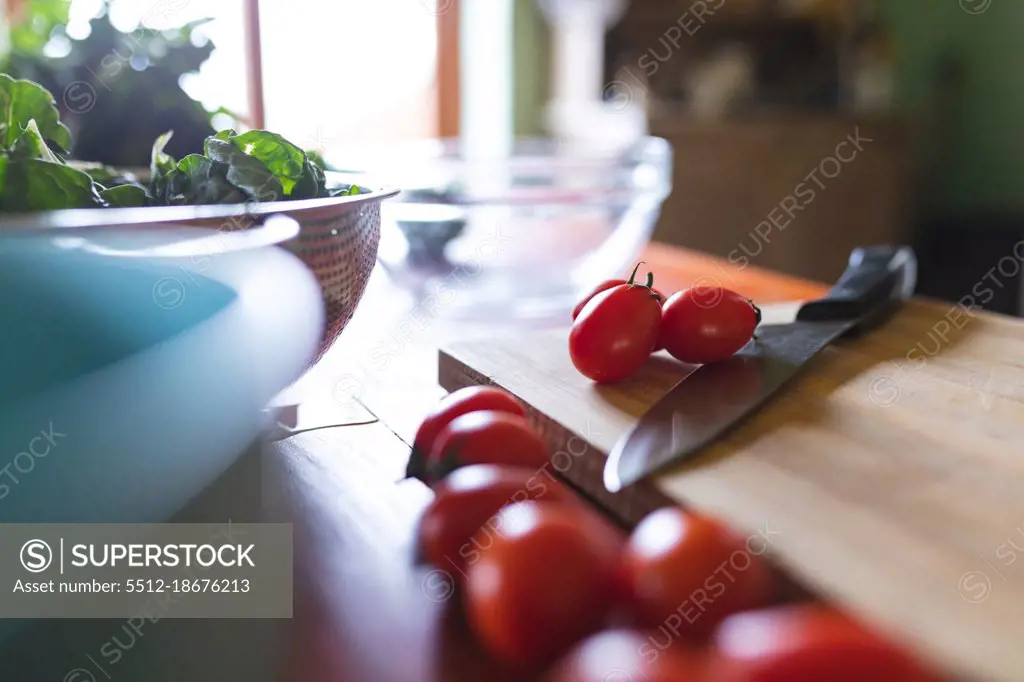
[889, 475]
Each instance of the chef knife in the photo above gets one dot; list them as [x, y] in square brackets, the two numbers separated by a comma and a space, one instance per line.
[716, 397]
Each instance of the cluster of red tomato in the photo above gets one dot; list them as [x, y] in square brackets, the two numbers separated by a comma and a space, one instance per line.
[548, 585]
[619, 323]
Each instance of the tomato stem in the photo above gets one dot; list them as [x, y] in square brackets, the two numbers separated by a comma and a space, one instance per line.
[417, 464]
[757, 319]
[649, 284]
[437, 469]
[632, 278]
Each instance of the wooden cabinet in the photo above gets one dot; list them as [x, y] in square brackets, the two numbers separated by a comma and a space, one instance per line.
[794, 194]
[772, 167]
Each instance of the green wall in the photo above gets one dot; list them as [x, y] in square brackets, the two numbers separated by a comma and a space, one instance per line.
[975, 138]
[531, 68]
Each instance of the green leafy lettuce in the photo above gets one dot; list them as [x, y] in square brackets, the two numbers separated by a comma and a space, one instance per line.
[23, 101]
[253, 166]
[33, 176]
[257, 165]
[125, 196]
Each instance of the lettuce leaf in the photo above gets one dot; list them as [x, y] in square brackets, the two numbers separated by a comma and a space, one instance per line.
[245, 172]
[312, 184]
[125, 196]
[23, 101]
[282, 158]
[348, 191]
[195, 181]
[37, 185]
[31, 145]
[160, 163]
[299, 174]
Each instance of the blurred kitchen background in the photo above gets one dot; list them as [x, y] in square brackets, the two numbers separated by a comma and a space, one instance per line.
[800, 128]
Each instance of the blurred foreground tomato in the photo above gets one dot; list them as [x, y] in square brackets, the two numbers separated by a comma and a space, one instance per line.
[809, 643]
[486, 437]
[465, 502]
[455, 404]
[627, 656]
[544, 581]
[686, 573]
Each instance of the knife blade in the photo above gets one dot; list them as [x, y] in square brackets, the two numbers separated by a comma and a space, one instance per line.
[714, 398]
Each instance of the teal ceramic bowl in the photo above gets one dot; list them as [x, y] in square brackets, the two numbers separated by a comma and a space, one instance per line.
[135, 363]
[337, 237]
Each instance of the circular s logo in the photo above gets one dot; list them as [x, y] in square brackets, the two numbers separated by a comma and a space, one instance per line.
[975, 6]
[36, 556]
[438, 586]
[884, 390]
[79, 675]
[79, 97]
[707, 292]
[437, 7]
[168, 293]
[975, 586]
[617, 96]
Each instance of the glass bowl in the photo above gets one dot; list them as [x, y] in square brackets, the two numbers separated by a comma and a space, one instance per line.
[518, 237]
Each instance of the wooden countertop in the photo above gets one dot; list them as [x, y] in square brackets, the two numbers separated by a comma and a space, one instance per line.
[363, 611]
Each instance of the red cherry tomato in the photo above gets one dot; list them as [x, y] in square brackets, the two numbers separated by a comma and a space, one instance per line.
[465, 502]
[707, 324]
[545, 580]
[604, 286]
[486, 437]
[615, 333]
[627, 656]
[686, 573]
[463, 401]
[809, 643]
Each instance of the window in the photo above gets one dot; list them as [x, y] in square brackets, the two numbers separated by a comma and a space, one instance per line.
[349, 72]
[335, 72]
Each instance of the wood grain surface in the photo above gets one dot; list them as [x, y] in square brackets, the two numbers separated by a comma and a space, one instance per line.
[364, 612]
[888, 475]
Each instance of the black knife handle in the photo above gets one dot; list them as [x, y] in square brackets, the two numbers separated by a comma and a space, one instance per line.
[876, 278]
